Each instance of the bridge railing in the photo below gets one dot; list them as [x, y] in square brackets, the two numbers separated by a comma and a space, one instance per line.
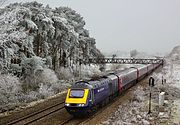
[121, 61]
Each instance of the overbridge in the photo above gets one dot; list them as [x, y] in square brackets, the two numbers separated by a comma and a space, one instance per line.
[122, 61]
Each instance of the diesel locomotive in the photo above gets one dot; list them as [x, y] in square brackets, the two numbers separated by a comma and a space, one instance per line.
[84, 97]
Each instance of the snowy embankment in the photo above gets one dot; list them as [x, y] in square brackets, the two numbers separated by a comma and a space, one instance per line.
[13, 93]
[135, 111]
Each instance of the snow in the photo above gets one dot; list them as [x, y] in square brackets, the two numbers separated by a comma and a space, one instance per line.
[41, 72]
[10, 89]
[31, 24]
[135, 111]
[176, 112]
[48, 20]
[14, 93]
[33, 40]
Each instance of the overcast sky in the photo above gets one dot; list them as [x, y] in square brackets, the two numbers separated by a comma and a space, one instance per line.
[145, 25]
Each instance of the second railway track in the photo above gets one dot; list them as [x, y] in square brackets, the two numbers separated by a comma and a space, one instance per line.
[35, 116]
[55, 114]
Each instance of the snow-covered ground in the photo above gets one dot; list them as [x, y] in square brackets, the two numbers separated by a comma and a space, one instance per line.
[136, 110]
[14, 93]
[39, 81]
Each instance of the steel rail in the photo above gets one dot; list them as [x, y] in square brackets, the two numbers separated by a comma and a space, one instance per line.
[36, 113]
[66, 121]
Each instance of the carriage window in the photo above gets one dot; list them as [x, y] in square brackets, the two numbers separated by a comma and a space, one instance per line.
[76, 93]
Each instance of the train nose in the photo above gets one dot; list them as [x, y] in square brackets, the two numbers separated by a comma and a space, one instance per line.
[74, 105]
[76, 97]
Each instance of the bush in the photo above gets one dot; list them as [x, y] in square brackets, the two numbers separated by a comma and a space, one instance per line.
[10, 90]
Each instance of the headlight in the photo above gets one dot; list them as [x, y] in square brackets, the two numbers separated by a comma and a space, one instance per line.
[80, 105]
[66, 104]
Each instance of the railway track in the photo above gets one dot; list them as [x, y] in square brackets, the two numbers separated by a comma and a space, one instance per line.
[41, 115]
[100, 111]
[35, 116]
[66, 121]
[83, 121]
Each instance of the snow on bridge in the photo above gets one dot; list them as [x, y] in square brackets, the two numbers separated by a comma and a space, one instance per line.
[122, 61]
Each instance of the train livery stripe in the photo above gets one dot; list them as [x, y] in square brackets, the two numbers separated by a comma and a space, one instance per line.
[77, 100]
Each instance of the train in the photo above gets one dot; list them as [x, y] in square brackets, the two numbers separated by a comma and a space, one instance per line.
[85, 97]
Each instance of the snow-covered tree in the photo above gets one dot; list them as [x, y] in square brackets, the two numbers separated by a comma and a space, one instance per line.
[56, 35]
[2, 2]
[10, 91]
[40, 45]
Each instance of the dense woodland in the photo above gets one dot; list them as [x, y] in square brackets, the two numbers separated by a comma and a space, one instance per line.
[40, 49]
[31, 33]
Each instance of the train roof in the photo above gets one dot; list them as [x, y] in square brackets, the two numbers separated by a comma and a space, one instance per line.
[81, 84]
[98, 82]
[126, 71]
[93, 83]
[112, 76]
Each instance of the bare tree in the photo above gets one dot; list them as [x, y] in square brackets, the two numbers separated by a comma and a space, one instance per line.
[133, 53]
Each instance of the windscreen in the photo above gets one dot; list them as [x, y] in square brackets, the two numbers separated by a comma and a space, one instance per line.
[76, 93]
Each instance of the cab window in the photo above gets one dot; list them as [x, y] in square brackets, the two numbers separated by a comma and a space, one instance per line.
[76, 93]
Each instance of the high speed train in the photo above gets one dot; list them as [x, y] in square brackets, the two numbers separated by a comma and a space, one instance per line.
[84, 97]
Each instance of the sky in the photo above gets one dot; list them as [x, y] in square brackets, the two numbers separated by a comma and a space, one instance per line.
[124, 25]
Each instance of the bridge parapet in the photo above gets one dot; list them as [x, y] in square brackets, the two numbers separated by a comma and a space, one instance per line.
[122, 61]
